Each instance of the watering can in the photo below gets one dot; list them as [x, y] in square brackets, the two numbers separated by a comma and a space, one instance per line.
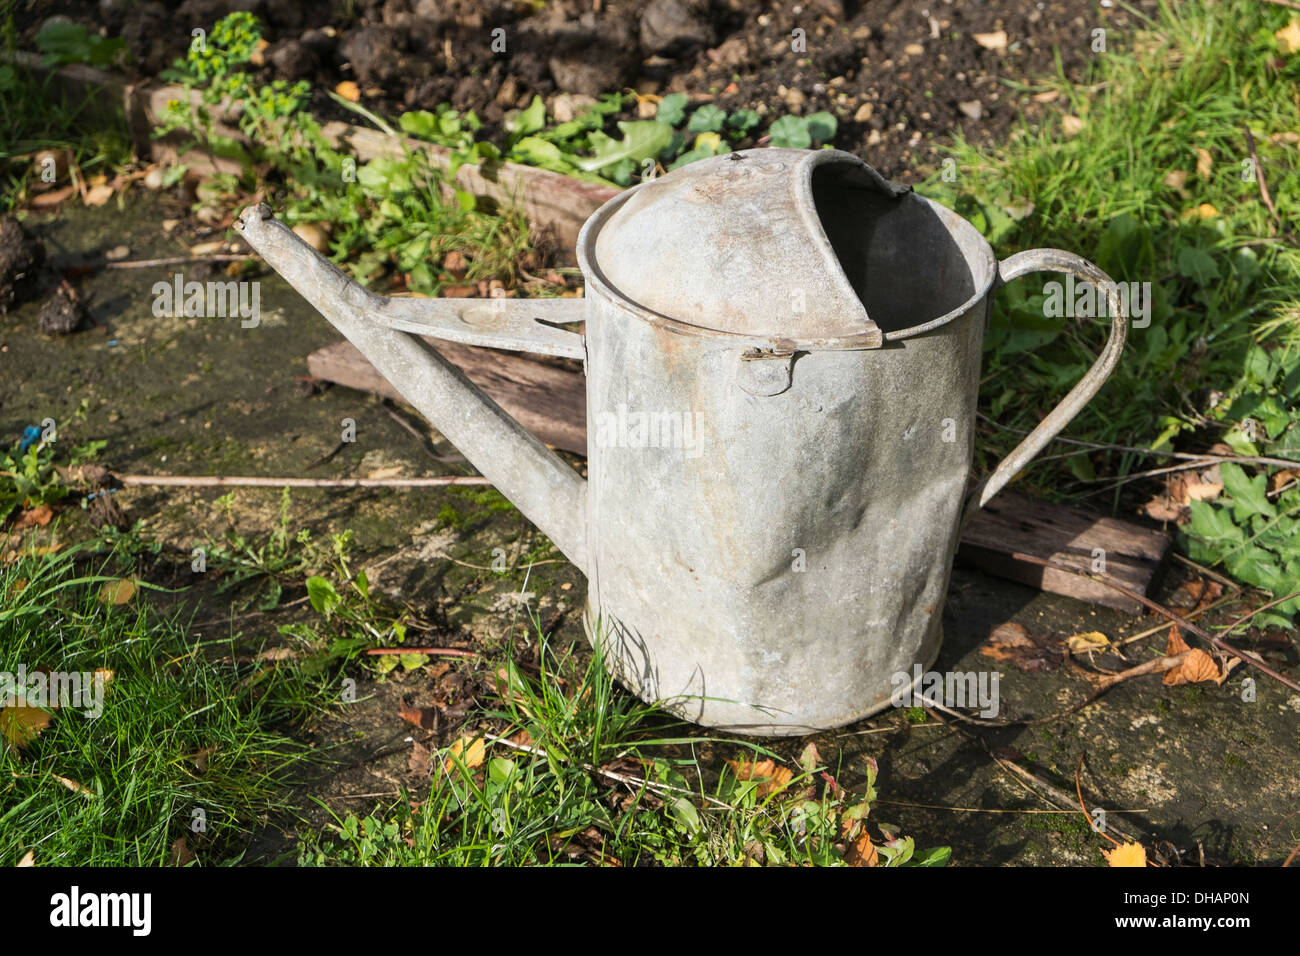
[782, 352]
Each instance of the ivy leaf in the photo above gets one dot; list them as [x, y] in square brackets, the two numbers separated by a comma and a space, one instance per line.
[1249, 495]
[790, 132]
[822, 127]
[672, 109]
[707, 119]
[1197, 265]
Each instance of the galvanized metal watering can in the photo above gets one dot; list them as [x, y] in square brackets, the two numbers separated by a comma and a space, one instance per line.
[782, 352]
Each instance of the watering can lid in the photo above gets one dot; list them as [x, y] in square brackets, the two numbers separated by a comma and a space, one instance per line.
[736, 244]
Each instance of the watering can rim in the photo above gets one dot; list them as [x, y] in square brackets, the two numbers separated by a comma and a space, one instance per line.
[982, 259]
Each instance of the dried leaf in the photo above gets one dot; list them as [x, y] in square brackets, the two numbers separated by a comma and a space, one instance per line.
[1085, 643]
[1197, 666]
[771, 778]
[29, 859]
[426, 718]
[21, 724]
[1047, 96]
[1288, 38]
[862, 852]
[469, 752]
[51, 198]
[1204, 163]
[98, 195]
[420, 761]
[1012, 642]
[349, 91]
[995, 41]
[181, 854]
[73, 785]
[1072, 125]
[1176, 179]
[1128, 854]
[37, 517]
[117, 592]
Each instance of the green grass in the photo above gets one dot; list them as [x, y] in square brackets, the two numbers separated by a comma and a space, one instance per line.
[568, 769]
[1220, 360]
[186, 744]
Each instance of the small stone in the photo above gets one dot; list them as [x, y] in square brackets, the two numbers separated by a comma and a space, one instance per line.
[63, 313]
[117, 252]
[874, 138]
[864, 113]
[973, 109]
[313, 235]
[794, 98]
[914, 49]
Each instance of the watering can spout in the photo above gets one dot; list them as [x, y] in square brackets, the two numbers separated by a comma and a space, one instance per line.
[388, 332]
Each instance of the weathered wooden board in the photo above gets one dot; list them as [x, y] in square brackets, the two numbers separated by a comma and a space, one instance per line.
[551, 403]
[1012, 523]
[548, 400]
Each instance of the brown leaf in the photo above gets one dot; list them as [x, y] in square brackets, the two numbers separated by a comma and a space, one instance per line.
[21, 724]
[181, 854]
[98, 195]
[51, 198]
[73, 785]
[426, 718]
[420, 761]
[1204, 163]
[469, 752]
[862, 852]
[1012, 642]
[29, 859]
[349, 91]
[202, 758]
[37, 517]
[1129, 854]
[1196, 667]
[117, 592]
[772, 778]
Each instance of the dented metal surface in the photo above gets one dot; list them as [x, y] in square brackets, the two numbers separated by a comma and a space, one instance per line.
[783, 354]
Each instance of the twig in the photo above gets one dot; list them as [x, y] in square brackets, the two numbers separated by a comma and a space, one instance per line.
[1259, 180]
[1083, 807]
[1161, 609]
[432, 651]
[1292, 856]
[248, 481]
[178, 260]
[240, 617]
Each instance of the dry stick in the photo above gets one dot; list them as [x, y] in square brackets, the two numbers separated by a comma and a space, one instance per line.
[631, 782]
[1193, 615]
[245, 481]
[1176, 618]
[1083, 807]
[1292, 856]
[177, 261]
[433, 651]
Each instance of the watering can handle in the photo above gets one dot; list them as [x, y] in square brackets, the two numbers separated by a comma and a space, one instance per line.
[1055, 260]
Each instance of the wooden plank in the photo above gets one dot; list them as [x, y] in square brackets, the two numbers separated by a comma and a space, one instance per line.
[1011, 523]
[549, 400]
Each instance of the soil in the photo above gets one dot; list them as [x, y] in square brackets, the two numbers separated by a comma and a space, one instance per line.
[21, 257]
[901, 75]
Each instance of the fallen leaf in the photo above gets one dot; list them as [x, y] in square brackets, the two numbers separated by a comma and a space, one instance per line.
[1204, 163]
[995, 41]
[98, 195]
[426, 718]
[1197, 666]
[117, 592]
[861, 852]
[1128, 854]
[51, 198]
[72, 785]
[469, 752]
[1176, 179]
[772, 778]
[1072, 125]
[204, 757]
[29, 859]
[181, 854]
[37, 517]
[1288, 38]
[277, 654]
[458, 291]
[1047, 96]
[1087, 642]
[349, 91]
[1281, 479]
[1012, 642]
[21, 724]
[420, 762]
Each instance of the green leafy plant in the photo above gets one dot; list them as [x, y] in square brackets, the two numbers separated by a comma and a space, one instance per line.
[73, 43]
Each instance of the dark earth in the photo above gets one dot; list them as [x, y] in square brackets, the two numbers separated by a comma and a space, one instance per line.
[899, 74]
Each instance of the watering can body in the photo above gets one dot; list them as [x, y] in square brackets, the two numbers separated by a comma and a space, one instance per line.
[779, 440]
